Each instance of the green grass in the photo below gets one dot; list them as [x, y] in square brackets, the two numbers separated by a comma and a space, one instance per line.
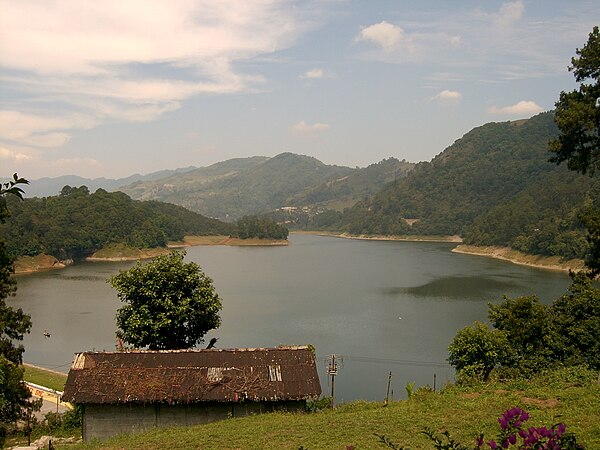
[568, 396]
[47, 378]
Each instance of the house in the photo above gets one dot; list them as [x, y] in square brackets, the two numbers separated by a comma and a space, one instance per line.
[128, 392]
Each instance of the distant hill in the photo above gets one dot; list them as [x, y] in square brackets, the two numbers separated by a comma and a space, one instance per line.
[494, 186]
[44, 187]
[359, 184]
[239, 187]
[75, 223]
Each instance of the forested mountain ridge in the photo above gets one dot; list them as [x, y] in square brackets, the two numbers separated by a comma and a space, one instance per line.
[44, 187]
[261, 185]
[356, 186]
[478, 186]
[75, 224]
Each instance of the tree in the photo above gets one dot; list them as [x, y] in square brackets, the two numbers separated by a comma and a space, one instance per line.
[13, 325]
[526, 323]
[476, 350]
[169, 304]
[576, 323]
[578, 118]
[578, 114]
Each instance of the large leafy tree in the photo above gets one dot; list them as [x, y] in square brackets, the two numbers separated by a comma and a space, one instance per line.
[14, 323]
[578, 118]
[169, 304]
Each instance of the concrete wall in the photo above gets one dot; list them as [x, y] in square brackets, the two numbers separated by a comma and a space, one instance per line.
[104, 421]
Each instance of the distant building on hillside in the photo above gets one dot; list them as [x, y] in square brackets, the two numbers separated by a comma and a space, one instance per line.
[134, 391]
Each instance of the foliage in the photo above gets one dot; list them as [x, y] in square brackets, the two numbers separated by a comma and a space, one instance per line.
[44, 377]
[464, 411]
[578, 119]
[476, 350]
[169, 304]
[529, 336]
[578, 115]
[575, 317]
[511, 431]
[261, 228]
[319, 404]
[76, 223]
[14, 323]
[10, 188]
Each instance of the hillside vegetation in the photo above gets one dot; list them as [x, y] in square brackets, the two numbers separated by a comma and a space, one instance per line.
[568, 395]
[75, 224]
[494, 186]
[238, 187]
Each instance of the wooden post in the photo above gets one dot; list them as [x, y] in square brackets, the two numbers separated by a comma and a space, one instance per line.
[434, 377]
[387, 395]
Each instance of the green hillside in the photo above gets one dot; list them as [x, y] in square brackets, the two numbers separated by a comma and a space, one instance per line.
[569, 395]
[346, 191]
[235, 188]
[494, 186]
[76, 223]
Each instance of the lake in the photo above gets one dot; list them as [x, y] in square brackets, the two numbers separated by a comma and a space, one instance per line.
[380, 306]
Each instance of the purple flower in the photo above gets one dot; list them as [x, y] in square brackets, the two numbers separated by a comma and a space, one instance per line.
[493, 444]
[512, 438]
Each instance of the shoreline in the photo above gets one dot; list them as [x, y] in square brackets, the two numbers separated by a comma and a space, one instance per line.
[507, 254]
[516, 257]
[408, 238]
[40, 263]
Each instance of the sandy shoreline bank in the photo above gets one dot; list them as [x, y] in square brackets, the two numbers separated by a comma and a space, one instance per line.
[516, 257]
[32, 264]
[502, 253]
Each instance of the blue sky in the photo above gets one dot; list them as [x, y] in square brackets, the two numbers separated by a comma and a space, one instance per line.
[118, 87]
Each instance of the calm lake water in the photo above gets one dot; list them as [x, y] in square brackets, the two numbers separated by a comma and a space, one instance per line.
[381, 306]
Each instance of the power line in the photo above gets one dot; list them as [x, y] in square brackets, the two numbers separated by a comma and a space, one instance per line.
[407, 362]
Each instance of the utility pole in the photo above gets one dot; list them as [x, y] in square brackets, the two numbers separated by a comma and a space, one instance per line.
[332, 370]
[387, 395]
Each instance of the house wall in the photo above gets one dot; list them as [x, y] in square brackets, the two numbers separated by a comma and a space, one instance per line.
[103, 421]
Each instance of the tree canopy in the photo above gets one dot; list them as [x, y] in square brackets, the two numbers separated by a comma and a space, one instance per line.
[169, 304]
[578, 119]
[578, 112]
[14, 324]
[75, 223]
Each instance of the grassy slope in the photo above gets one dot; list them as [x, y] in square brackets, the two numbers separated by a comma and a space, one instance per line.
[464, 412]
[48, 378]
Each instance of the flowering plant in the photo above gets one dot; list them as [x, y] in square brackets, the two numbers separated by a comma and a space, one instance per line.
[535, 438]
[512, 434]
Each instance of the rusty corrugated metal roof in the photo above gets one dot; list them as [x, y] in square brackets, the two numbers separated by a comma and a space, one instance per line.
[191, 376]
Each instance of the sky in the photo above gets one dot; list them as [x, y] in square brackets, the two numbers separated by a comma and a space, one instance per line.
[115, 87]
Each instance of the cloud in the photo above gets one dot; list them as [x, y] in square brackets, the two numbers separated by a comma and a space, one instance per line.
[387, 36]
[131, 61]
[12, 155]
[313, 74]
[446, 95]
[306, 129]
[522, 108]
[509, 13]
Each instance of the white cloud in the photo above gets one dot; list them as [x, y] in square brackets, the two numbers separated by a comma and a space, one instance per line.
[307, 129]
[447, 95]
[509, 13]
[133, 60]
[12, 155]
[37, 130]
[522, 108]
[386, 35]
[313, 74]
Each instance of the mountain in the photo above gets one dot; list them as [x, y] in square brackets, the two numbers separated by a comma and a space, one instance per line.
[44, 187]
[238, 187]
[359, 184]
[494, 186]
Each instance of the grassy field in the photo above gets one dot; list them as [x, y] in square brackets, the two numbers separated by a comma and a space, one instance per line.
[571, 396]
[47, 378]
